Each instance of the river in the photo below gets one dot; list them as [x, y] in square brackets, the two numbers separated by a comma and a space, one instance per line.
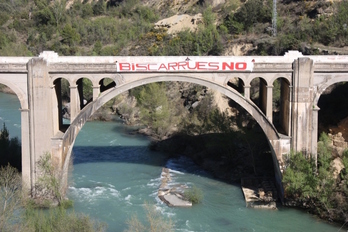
[114, 175]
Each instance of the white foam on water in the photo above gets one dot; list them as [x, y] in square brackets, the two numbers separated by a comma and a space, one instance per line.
[93, 194]
[154, 194]
[114, 192]
[176, 172]
[128, 199]
[99, 190]
[187, 223]
[153, 184]
[112, 142]
[17, 125]
[156, 179]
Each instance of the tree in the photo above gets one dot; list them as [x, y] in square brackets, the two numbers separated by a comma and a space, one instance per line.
[10, 198]
[99, 7]
[48, 186]
[43, 15]
[70, 36]
[10, 150]
[154, 107]
[299, 179]
[58, 10]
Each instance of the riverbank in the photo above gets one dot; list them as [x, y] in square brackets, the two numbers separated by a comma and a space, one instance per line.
[224, 156]
[243, 164]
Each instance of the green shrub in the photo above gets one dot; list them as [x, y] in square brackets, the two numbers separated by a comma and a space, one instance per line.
[99, 7]
[299, 179]
[250, 13]
[194, 195]
[315, 185]
[59, 219]
[3, 18]
[70, 36]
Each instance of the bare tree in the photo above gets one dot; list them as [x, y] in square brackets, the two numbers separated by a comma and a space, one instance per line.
[10, 198]
[58, 10]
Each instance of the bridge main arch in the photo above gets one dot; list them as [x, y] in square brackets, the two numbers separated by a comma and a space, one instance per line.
[275, 140]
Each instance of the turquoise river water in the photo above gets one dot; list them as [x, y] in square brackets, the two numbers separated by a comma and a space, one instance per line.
[114, 175]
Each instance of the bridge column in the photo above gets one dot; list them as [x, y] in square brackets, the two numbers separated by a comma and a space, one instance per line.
[314, 144]
[26, 158]
[74, 102]
[302, 108]
[247, 91]
[285, 106]
[40, 114]
[263, 96]
[269, 104]
[57, 119]
[96, 92]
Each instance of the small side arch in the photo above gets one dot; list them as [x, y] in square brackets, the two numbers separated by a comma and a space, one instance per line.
[321, 88]
[22, 95]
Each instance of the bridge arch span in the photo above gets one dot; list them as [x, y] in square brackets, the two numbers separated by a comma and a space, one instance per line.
[75, 126]
[7, 79]
[235, 83]
[285, 76]
[337, 78]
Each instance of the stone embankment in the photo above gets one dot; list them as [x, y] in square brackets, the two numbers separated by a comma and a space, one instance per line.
[172, 195]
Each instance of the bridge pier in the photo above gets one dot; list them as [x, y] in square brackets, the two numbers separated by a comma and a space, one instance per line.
[42, 121]
[279, 148]
[304, 113]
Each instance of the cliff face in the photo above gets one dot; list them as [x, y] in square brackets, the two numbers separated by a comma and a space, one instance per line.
[182, 6]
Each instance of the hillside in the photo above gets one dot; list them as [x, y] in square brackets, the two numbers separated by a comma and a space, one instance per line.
[172, 27]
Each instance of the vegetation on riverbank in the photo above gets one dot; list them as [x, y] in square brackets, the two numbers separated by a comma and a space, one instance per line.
[18, 213]
[321, 188]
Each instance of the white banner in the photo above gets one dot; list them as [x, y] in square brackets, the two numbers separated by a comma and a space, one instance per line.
[185, 66]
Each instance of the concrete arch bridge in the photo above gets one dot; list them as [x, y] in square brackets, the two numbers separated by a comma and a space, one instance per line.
[37, 83]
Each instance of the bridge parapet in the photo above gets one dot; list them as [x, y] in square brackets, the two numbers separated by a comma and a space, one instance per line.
[332, 67]
[13, 67]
